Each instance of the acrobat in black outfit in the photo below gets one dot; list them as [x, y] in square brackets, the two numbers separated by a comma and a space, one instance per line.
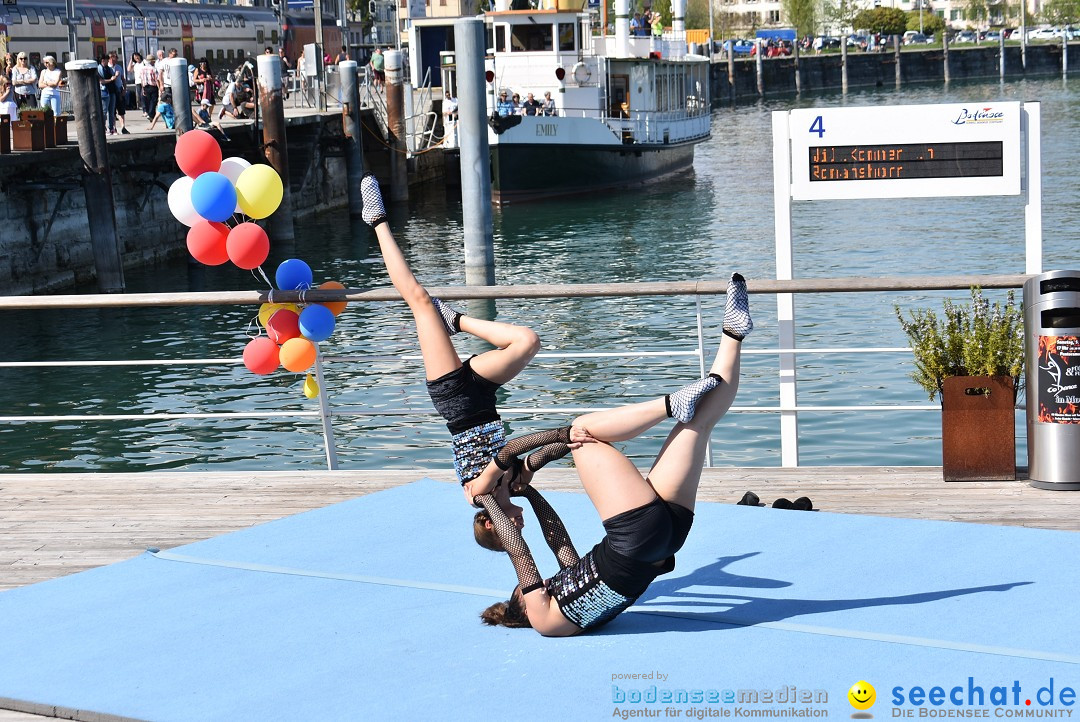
[646, 519]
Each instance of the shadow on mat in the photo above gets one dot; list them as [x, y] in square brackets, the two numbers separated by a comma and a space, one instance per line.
[704, 596]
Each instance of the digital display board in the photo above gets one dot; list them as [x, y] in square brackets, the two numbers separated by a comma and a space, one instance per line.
[912, 151]
[906, 160]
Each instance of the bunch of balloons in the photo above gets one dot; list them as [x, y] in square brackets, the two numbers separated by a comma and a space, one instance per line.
[219, 199]
[211, 194]
[293, 330]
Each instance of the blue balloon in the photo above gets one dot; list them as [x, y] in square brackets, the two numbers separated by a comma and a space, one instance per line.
[213, 197]
[293, 275]
[317, 323]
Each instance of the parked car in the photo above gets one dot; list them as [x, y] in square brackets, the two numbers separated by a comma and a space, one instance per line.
[741, 47]
[915, 38]
[992, 36]
[965, 36]
[1043, 34]
[822, 42]
[858, 41]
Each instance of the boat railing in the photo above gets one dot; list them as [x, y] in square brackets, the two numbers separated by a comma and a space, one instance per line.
[327, 412]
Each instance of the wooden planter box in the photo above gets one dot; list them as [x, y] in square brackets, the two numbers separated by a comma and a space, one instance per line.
[978, 433]
[61, 122]
[28, 135]
[48, 127]
[5, 134]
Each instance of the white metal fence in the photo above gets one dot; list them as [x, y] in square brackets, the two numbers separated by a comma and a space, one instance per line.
[327, 413]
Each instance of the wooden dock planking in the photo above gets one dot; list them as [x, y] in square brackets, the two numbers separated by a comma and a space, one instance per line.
[57, 524]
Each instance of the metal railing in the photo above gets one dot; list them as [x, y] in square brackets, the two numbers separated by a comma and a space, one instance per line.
[327, 413]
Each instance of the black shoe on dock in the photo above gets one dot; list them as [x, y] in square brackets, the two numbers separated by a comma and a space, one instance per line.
[749, 499]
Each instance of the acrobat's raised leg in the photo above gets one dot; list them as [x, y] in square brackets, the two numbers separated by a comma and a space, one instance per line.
[612, 481]
[436, 321]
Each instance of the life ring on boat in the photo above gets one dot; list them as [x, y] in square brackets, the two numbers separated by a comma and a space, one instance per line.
[581, 73]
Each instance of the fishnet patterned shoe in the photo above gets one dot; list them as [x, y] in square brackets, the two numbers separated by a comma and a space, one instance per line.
[374, 212]
[737, 321]
[450, 317]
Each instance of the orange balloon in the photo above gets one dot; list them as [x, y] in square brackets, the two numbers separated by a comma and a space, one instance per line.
[297, 354]
[336, 307]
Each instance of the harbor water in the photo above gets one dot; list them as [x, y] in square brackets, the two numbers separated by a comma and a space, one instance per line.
[699, 226]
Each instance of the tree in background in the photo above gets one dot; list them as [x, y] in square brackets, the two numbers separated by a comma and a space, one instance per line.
[932, 24]
[887, 21]
[841, 15]
[697, 14]
[801, 15]
[664, 8]
[1062, 12]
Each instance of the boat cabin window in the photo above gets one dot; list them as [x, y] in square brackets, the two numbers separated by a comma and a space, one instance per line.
[47, 13]
[110, 16]
[500, 39]
[566, 37]
[530, 38]
[14, 16]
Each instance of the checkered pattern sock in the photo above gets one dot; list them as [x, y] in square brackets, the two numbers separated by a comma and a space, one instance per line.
[451, 318]
[374, 213]
[737, 321]
[682, 404]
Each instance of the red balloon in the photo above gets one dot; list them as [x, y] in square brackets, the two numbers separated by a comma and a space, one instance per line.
[261, 355]
[248, 246]
[206, 242]
[283, 325]
[197, 152]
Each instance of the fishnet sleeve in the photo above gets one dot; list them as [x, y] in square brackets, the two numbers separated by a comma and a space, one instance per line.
[510, 536]
[518, 446]
[558, 539]
[544, 456]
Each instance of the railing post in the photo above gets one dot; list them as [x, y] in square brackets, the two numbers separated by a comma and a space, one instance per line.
[843, 65]
[896, 46]
[945, 55]
[97, 175]
[785, 302]
[275, 141]
[324, 414]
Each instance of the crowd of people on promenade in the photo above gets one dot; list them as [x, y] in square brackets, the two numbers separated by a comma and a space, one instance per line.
[140, 84]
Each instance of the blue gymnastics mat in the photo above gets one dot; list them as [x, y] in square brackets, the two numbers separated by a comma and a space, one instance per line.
[367, 610]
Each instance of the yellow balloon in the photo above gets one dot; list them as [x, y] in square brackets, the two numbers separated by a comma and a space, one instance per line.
[259, 191]
[311, 387]
[269, 309]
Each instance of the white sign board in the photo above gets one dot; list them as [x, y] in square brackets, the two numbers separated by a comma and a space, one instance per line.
[907, 151]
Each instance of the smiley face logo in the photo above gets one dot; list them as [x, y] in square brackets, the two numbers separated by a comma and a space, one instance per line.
[862, 695]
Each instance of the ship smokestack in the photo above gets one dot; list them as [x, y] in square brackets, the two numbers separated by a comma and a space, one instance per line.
[622, 28]
[678, 26]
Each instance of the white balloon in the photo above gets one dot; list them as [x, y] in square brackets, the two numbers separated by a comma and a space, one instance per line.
[231, 168]
[180, 201]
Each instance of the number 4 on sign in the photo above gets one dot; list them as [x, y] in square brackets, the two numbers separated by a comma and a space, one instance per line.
[818, 127]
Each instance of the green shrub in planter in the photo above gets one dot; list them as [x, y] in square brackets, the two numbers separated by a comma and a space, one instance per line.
[980, 339]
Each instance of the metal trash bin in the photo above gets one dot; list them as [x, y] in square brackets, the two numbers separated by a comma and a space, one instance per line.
[1052, 361]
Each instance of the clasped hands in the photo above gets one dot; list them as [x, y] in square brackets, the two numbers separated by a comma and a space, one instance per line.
[519, 476]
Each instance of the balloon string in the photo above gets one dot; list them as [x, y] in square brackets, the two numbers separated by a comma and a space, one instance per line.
[258, 329]
[262, 273]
